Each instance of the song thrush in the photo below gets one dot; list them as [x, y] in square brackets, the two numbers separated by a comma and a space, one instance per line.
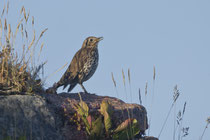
[83, 65]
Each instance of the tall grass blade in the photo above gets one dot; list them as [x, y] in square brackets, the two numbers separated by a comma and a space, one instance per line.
[115, 84]
[57, 70]
[123, 75]
[32, 20]
[3, 11]
[0, 33]
[175, 97]
[208, 122]
[153, 94]
[7, 7]
[40, 50]
[140, 100]
[129, 80]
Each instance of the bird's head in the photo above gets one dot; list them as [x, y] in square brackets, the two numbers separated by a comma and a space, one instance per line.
[91, 41]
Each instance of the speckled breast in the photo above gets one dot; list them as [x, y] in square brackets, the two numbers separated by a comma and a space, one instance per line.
[91, 65]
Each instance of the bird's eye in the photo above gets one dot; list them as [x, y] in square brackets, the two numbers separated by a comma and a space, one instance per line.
[91, 40]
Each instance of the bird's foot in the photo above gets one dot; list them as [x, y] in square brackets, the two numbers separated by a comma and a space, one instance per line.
[83, 88]
[51, 90]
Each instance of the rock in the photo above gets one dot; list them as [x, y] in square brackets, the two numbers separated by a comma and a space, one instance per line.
[41, 116]
[148, 138]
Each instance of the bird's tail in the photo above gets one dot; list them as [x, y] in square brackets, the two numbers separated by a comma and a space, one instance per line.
[58, 84]
[53, 89]
[71, 87]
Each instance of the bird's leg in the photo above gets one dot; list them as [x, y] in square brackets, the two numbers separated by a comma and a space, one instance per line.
[83, 88]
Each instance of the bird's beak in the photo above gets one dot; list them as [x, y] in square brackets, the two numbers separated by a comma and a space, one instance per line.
[99, 39]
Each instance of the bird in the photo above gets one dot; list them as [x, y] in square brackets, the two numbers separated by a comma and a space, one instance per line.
[82, 66]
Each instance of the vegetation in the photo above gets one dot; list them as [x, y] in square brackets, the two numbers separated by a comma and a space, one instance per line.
[179, 130]
[18, 71]
[101, 126]
[20, 138]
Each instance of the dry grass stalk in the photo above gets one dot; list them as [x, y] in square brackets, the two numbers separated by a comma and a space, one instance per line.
[175, 97]
[123, 75]
[176, 94]
[22, 9]
[208, 122]
[153, 94]
[40, 36]
[9, 32]
[26, 33]
[118, 97]
[42, 45]
[184, 107]
[180, 118]
[129, 80]
[5, 24]
[43, 32]
[27, 17]
[17, 28]
[7, 7]
[140, 100]
[22, 33]
[154, 73]
[0, 32]
[32, 20]
[17, 75]
[32, 42]
[115, 85]
[3, 11]
[146, 86]
[57, 70]
[24, 12]
[129, 76]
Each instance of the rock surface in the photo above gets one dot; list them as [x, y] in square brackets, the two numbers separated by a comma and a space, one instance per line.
[41, 117]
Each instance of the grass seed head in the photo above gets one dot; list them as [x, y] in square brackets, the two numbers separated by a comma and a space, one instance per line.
[114, 80]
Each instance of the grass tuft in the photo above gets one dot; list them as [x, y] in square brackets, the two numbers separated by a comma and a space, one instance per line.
[17, 73]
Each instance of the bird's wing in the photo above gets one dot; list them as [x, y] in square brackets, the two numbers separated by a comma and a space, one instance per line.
[81, 58]
[76, 66]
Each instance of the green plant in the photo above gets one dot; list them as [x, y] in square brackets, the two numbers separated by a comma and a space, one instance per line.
[18, 71]
[102, 126]
[19, 138]
[93, 127]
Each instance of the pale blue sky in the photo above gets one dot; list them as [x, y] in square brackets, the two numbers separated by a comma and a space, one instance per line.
[138, 34]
